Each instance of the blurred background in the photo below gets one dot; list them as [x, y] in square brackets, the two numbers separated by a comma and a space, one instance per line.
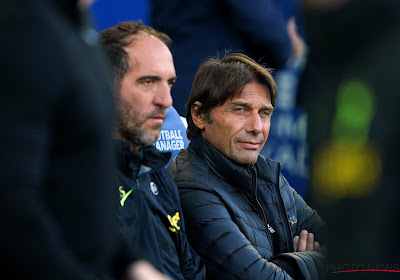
[335, 127]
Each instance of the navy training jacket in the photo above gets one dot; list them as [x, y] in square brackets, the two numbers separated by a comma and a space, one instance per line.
[241, 221]
[150, 214]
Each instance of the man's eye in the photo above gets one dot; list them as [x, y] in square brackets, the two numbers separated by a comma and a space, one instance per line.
[266, 113]
[147, 82]
[238, 109]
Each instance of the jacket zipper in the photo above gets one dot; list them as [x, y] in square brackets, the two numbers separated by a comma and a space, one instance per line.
[288, 230]
[269, 229]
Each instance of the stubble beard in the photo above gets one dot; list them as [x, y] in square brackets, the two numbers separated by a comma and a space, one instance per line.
[130, 127]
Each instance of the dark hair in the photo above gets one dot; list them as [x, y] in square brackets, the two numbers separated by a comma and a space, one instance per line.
[217, 80]
[116, 38]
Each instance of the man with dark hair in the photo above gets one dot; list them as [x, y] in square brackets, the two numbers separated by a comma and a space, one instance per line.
[148, 207]
[242, 217]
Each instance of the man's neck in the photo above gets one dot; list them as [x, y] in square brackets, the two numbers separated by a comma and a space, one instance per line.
[133, 147]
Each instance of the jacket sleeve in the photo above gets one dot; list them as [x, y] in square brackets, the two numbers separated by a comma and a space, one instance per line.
[310, 263]
[306, 217]
[227, 253]
[263, 26]
[192, 266]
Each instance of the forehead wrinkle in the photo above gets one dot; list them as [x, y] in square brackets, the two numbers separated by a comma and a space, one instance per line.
[243, 95]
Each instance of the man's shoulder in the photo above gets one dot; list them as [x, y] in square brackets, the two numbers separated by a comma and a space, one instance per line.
[189, 167]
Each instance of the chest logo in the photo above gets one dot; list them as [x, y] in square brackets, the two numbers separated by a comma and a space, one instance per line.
[124, 195]
[154, 188]
[174, 222]
[292, 220]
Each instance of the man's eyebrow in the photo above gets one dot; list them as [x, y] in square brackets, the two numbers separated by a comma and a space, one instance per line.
[154, 78]
[240, 103]
[268, 108]
[173, 79]
[149, 77]
[245, 104]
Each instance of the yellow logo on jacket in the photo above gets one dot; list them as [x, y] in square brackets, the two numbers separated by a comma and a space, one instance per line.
[124, 195]
[174, 222]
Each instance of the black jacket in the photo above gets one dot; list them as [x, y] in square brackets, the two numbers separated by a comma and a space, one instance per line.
[231, 212]
[56, 157]
[150, 213]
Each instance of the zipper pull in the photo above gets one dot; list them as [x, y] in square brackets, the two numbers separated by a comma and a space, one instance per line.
[271, 229]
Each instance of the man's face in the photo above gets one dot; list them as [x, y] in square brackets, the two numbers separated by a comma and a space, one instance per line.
[145, 92]
[239, 128]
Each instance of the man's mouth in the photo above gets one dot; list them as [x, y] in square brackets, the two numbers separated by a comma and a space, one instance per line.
[158, 117]
[251, 145]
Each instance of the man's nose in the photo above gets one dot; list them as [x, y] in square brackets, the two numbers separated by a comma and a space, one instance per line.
[163, 97]
[254, 124]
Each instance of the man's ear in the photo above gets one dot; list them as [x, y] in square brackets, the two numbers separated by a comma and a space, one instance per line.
[197, 116]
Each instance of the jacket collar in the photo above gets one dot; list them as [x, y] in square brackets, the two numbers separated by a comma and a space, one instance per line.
[148, 156]
[237, 176]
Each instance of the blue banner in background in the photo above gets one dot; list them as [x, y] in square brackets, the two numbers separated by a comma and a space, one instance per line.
[287, 144]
